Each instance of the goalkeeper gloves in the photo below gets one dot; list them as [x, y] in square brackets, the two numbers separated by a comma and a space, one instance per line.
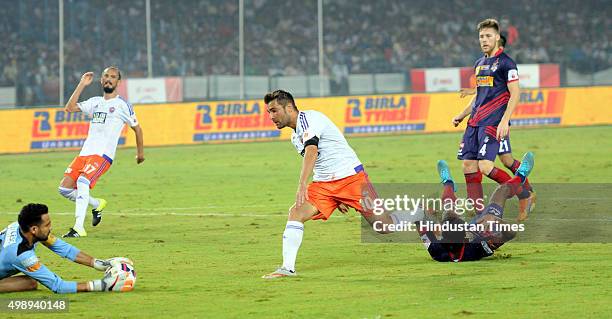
[104, 264]
[112, 281]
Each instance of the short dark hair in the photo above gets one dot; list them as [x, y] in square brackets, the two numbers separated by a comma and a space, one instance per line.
[502, 40]
[30, 215]
[112, 67]
[488, 23]
[281, 97]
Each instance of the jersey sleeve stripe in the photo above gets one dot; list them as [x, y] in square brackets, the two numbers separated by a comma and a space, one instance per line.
[303, 121]
[130, 107]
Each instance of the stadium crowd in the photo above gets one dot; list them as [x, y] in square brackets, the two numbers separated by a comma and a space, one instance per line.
[360, 36]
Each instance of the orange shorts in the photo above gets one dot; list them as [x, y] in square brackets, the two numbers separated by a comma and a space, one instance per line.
[327, 196]
[90, 166]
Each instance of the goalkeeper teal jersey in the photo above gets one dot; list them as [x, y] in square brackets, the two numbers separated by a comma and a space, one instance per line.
[16, 256]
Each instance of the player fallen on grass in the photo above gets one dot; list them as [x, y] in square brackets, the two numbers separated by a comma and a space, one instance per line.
[339, 180]
[17, 244]
[454, 244]
[108, 115]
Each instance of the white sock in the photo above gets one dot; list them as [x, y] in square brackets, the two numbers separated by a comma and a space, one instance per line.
[82, 200]
[94, 202]
[292, 239]
[71, 194]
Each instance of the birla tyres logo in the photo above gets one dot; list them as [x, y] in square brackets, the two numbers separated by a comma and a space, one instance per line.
[58, 129]
[380, 114]
[538, 107]
[233, 121]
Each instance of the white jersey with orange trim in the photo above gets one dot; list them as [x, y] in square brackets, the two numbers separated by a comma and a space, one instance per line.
[107, 120]
[336, 158]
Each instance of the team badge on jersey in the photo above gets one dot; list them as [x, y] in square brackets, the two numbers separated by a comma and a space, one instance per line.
[495, 65]
[98, 117]
[111, 109]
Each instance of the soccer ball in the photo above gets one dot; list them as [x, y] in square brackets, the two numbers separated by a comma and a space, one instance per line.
[125, 276]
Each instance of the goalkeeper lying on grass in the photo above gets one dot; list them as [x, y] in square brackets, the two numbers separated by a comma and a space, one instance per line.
[17, 243]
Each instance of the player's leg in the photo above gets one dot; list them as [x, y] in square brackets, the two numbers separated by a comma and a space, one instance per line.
[17, 284]
[94, 167]
[527, 198]
[447, 180]
[511, 188]
[505, 156]
[473, 180]
[68, 187]
[468, 153]
[488, 148]
[292, 238]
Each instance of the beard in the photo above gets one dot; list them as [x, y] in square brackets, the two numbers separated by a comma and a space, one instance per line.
[42, 238]
[107, 89]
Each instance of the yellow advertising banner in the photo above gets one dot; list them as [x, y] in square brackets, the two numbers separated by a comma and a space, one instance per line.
[30, 130]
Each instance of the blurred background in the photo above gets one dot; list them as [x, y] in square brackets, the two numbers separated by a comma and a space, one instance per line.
[232, 49]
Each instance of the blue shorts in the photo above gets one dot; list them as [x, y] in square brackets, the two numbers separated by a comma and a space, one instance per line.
[479, 143]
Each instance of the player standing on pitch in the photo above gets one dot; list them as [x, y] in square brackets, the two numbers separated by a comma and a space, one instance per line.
[17, 244]
[496, 98]
[339, 179]
[526, 205]
[108, 115]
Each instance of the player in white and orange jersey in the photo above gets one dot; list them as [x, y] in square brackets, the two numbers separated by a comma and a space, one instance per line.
[109, 114]
[339, 179]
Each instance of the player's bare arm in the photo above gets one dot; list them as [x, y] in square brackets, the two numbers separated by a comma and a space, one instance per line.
[139, 144]
[468, 109]
[466, 91]
[86, 80]
[310, 157]
[503, 129]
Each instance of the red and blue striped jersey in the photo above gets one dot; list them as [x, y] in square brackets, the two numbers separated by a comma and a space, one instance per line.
[492, 77]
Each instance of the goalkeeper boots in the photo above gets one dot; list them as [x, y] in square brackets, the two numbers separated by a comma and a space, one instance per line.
[97, 213]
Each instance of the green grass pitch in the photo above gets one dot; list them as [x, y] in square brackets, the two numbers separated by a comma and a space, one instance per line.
[204, 222]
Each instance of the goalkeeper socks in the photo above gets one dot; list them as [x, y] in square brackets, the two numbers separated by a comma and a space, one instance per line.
[82, 201]
[473, 183]
[95, 285]
[292, 239]
[71, 194]
[498, 175]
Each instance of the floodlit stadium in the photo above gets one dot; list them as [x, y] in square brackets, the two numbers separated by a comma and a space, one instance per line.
[305, 159]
